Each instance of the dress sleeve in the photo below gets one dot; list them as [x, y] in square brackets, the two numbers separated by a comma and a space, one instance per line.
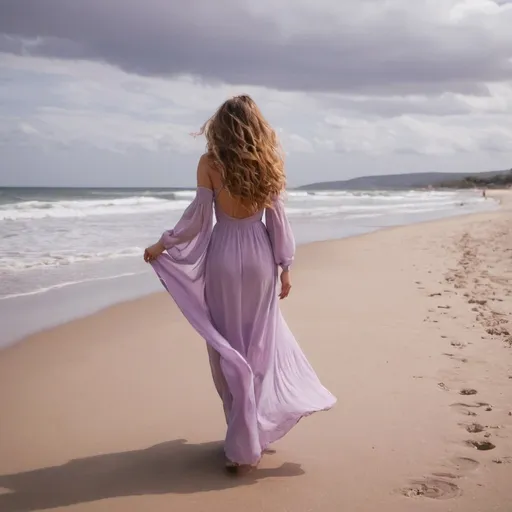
[281, 235]
[189, 238]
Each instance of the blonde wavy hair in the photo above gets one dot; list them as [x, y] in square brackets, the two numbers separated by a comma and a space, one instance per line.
[245, 150]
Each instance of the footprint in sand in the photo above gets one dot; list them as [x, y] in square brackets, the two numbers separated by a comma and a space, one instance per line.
[464, 408]
[473, 428]
[441, 474]
[503, 460]
[465, 464]
[468, 391]
[473, 405]
[455, 358]
[481, 445]
[433, 488]
[477, 301]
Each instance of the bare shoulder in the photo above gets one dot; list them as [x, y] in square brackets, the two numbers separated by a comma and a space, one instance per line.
[204, 170]
[211, 170]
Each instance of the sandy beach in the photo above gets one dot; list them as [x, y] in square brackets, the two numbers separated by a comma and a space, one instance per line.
[411, 329]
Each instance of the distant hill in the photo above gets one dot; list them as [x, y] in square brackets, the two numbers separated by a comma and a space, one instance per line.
[411, 180]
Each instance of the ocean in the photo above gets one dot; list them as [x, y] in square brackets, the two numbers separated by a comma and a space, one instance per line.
[65, 253]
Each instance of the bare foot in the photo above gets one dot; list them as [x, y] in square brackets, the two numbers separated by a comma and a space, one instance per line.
[235, 468]
[231, 467]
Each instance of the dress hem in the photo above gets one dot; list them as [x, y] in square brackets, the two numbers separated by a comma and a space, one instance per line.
[281, 435]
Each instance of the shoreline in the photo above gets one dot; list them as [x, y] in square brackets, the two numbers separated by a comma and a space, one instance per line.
[407, 326]
[150, 286]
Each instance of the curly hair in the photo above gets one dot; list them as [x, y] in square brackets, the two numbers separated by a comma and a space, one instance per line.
[245, 150]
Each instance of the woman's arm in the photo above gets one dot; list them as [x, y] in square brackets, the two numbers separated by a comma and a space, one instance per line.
[283, 242]
[196, 218]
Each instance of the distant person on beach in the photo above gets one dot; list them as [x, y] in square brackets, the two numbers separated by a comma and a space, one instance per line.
[484, 193]
[224, 280]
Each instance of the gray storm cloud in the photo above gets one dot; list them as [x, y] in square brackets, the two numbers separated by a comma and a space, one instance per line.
[363, 46]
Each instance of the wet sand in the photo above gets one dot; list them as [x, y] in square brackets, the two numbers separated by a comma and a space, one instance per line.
[411, 328]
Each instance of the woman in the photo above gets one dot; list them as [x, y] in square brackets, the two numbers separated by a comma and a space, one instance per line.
[224, 281]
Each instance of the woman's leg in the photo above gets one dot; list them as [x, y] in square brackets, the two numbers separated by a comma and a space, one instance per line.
[219, 381]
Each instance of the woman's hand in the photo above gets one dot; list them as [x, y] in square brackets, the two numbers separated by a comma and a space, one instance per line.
[286, 284]
[152, 252]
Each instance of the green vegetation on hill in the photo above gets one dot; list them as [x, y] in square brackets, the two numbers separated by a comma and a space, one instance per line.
[502, 180]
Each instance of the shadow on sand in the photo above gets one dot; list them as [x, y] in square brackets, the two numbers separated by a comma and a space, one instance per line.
[172, 467]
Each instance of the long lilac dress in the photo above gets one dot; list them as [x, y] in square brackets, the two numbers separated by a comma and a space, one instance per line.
[224, 280]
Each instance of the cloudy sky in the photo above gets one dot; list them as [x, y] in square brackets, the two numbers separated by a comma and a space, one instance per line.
[107, 92]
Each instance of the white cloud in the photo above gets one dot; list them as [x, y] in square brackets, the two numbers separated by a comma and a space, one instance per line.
[464, 9]
[112, 131]
[421, 135]
[297, 144]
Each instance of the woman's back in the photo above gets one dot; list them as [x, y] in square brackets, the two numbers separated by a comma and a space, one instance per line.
[231, 206]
